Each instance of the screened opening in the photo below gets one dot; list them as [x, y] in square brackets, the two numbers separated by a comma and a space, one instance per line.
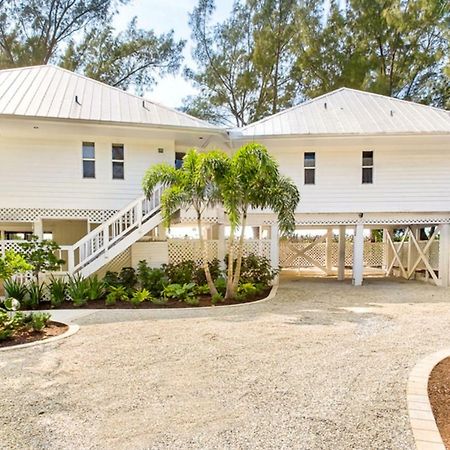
[179, 159]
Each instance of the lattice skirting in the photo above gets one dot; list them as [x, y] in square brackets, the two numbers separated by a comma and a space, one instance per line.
[32, 214]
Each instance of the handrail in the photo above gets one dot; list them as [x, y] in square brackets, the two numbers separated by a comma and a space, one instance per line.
[106, 235]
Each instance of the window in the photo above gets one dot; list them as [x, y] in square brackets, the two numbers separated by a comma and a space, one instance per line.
[88, 160]
[118, 172]
[179, 159]
[25, 235]
[367, 167]
[309, 164]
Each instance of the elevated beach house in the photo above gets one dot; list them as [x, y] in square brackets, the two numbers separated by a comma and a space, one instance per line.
[73, 152]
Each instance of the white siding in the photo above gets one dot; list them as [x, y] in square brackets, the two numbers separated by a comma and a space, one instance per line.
[47, 173]
[410, 174]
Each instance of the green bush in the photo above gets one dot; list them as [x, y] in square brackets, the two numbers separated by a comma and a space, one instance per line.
[111, 279]
[128, 278]
[116, 293]
[57, 290]
[77, 289]
[221, 285]
[15, 289]
[191, 272]
[95, 288]
[35, 293]
[246, 290]
[139, 296]
[256, 269]
[216, 298]
[151, 279]
[39, 321]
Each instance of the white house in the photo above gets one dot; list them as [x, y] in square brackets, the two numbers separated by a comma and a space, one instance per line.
[73, 152]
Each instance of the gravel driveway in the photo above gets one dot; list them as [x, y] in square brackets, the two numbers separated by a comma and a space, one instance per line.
[324, 365]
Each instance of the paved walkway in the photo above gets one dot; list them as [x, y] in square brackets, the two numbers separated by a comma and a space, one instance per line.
[322, 366]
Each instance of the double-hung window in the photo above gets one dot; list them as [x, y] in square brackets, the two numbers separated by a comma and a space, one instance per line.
[309, 164]
[88, 160]
[367, 167]
[118, 171]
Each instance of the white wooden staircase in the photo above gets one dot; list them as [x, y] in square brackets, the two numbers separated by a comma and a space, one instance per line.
[115, 235]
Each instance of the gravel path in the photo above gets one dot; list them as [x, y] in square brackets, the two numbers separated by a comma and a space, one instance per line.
[322, 366]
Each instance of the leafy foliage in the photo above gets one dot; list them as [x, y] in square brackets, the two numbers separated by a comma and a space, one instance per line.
[78, 290]
[39, 321]
[35, 293]
[78, 35]
[185, 292]
[128, 278]
[256, 269]
[95, 288]
[57, 290]
[41, 255]
[13, 263]
[151, 279]
[15, 289]
[116, 294]
[139, 296]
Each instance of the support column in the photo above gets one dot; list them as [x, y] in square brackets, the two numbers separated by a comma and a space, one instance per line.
[444, 254]
[162, 232]
[412, 251]
[358, 255]
[274, 246]
[341, 256]
[329, 251]
[38, 229]
[388, 253]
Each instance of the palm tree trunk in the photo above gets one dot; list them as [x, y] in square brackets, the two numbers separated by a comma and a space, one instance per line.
[229, 294]
[209, 280]
[237, 272]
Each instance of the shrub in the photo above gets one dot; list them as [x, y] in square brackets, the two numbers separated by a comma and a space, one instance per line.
[151, 279]
[128, 277]
[139, 296]
[35, 293]
[111, 279]
[15, 289]
[221, 285]
[214, 268]
[116, 293]
[39, 321]
[95, 288]
[77, 289]
[182, 273]
[57, 290]
[246, 290]
[256, 269]
[179, 291]
[216, 298]
[192, 301]
[203, 289]
[158, 301]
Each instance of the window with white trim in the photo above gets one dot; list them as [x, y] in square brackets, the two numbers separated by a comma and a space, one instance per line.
[367, 167]
[88, 160]
[118, 171]
[309, 164]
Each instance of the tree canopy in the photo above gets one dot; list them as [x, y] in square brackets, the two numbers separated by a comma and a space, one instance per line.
[271, 54]
[77, 35]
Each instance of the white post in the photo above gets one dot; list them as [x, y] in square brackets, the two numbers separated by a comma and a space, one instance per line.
[412, 251]
[329, 250]
[444, 254]
[341, 258]
[38, 228]
[358, 255]
[274, 246]
[162, 232]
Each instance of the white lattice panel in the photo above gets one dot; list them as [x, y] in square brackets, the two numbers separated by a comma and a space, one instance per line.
[253, 247]
[9, 245]
[189, 250]
[32, 214]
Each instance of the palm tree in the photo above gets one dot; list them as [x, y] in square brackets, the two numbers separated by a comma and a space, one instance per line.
[252, 180]
[190, 186]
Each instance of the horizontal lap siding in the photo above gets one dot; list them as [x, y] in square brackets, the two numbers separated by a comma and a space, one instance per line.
[48, 174]
[409, 177]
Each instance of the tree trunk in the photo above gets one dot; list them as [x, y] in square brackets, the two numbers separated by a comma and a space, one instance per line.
[237, 272]
[229, 294]
[209, 280]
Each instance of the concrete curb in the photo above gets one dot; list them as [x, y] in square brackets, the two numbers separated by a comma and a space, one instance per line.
[423, 423]
[73, 328]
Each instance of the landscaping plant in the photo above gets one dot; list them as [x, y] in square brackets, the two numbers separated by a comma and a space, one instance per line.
[57, 290]
[128, 278]
[115, 294]
[179, 291]
[35, 293]
[39, 321]
[139, 296]
[77, 290]
[15, 289]
[152, 279]
[95, 288]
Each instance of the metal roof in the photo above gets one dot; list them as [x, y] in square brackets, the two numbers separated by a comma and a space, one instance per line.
[349, 111]
[52, 92]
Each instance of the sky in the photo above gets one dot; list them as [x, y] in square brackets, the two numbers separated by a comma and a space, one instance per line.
[162, 16]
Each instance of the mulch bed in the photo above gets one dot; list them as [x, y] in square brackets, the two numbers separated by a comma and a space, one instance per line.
[100, 304]
[24, 337]
[439, 394]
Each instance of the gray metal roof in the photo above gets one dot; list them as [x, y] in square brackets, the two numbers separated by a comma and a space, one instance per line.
[53, 92]
[348, 111]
